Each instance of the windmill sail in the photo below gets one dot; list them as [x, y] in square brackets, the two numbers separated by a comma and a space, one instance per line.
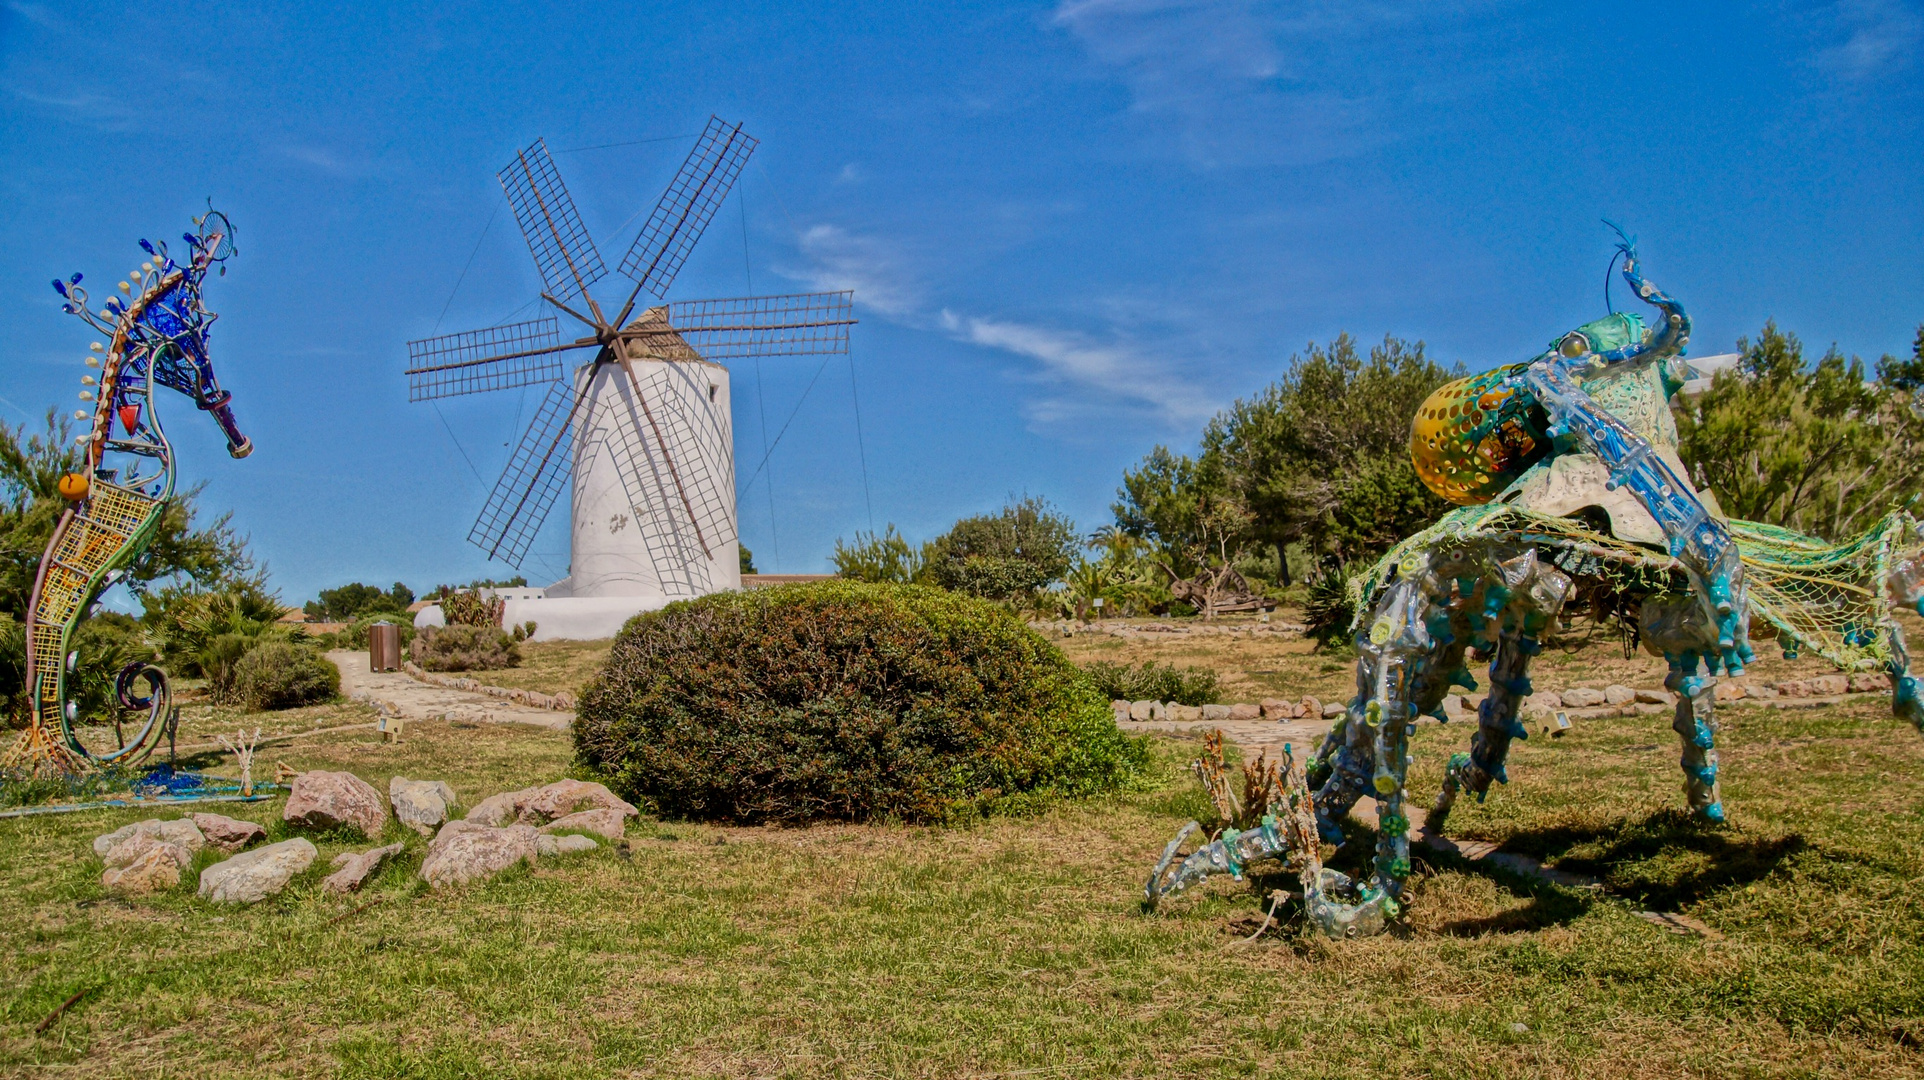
[685, 208]
[497, 358]
[793, 325]
[528, 487]
[562, 249]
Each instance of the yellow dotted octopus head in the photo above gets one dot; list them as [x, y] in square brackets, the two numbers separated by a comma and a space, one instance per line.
[1474, 436]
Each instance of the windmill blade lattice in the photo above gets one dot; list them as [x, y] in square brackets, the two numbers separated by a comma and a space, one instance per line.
[529, 486]
[685, 208]
[562, 249]
[497, 358]
[794, 325]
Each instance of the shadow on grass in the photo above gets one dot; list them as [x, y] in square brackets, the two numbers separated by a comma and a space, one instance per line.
[1665, 861]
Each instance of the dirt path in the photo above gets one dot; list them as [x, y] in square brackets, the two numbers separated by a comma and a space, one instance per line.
[398, 694]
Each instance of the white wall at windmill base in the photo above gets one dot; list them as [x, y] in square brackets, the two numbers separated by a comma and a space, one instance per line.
[653, 515]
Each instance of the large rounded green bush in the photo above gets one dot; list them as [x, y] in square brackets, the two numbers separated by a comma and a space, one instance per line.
[282, 675]
[845, 701]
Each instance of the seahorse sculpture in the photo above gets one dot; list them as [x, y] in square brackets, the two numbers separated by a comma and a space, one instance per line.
[156, 332]
[1568, 470]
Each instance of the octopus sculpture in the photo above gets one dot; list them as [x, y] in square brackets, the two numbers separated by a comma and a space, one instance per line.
[1568, 480]
[156, 336]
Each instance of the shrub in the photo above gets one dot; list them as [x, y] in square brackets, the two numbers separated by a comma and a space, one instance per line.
[1185, 686]
[845, 701]
[280, 675]
[457, 647]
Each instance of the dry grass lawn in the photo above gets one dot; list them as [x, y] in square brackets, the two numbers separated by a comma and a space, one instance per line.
[1018, 947]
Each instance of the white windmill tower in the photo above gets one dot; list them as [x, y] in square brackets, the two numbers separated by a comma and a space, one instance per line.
[642, 427]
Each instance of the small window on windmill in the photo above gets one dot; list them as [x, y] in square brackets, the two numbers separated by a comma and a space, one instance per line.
[711, 392]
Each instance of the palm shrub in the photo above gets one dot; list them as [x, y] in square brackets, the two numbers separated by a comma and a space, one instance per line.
[845, 701]
[282, 675]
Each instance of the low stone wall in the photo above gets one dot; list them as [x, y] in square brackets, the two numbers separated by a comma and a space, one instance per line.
[562, 702]
[1576, 703]
[1126, 630]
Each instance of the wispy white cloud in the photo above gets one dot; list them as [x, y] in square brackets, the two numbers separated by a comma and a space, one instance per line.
[1878, 37]
[1234, 82]
[326, 160]
[1101, 376]
[881, 276]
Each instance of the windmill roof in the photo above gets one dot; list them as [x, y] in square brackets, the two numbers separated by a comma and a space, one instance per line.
[659, 338]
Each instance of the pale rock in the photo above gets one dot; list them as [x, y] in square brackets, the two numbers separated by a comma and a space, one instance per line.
[1728, 691]
[228, 834]
[1121, 709]
[1334, 709]
[466, 851]
[564, 797]
[1656, 697]
[1215, 712]
[1158, 710]
[421, 805]
[1276, 709]
[1759, 691]
[498, 810]
[1828, 685]
[333, 800]
[1583, 697]
[1794, 688]
[1311, 708]
[155, 868]
[608, 823]
[1650, 708]
[564, 845]
[1458, 708]
[256, 875]
[1618, 694]
[1869, 683]
[135, 847]
[352, 869]
[1543, 706]
[1139, 710]
[1244, 711]
[1185, 712]
[180, 831]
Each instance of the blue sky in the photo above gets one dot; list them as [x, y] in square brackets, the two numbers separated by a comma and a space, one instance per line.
[1074, 231]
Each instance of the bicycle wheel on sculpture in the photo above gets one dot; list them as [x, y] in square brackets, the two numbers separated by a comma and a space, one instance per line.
[158, 704]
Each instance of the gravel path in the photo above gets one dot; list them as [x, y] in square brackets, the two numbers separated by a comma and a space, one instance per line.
[402, 696]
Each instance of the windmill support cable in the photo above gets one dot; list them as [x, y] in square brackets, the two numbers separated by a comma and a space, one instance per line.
[666, 454]
[457, 444]
[632, 142]
[469, 265]
[761, 402]
[861, 450]
[823, 366]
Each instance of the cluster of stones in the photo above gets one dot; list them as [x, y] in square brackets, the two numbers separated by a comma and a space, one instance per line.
[1120, 629]
[499, 832]
[1589, 703]
[1577, 703]
[563, 701]
[1308, 708]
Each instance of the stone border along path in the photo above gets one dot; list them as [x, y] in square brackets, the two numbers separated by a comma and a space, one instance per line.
[1163, 630]
[395, 693]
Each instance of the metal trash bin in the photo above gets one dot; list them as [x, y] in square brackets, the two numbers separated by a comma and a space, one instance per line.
[384, 647]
